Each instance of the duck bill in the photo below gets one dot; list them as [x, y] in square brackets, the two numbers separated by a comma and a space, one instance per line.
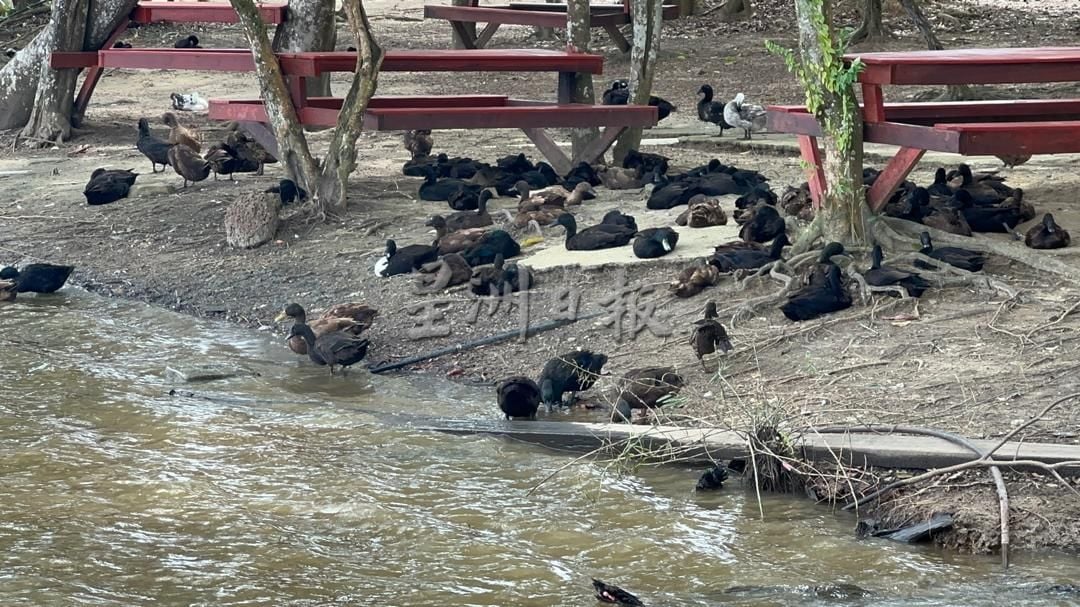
[280, 317]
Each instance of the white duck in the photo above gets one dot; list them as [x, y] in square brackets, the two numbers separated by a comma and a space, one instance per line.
[745, 116]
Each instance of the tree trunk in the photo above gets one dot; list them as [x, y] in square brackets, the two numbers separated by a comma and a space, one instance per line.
[734, 10]
[545, 33]
[20, 77]
[953, 92]
[311, 26]
[469, 27]
[578, 39]
[341, 158]
[50, 118]
[648, 17]
[292, 146]
[836, 108]
[871, 27]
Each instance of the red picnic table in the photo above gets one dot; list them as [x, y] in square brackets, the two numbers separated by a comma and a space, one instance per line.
[970, 128]
[392, 113]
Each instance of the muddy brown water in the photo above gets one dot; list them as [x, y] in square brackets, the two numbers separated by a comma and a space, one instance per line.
[288, 488]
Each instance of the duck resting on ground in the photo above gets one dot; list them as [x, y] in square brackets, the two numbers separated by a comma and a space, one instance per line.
[404, 260]
[107, 186]
[883, 276]
[1047, 235]
[702, 212]
[335, 348]
[447, 271]
[462, 220]
[655, 242]
[764, 225]
[518, 397]
[819, 298]
[189, 41]
[709, 335]
[600, 236]
[954, 256]
[694, 279]
[453, 241]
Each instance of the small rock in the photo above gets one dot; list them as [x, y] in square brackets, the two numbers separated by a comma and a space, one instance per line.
[204, 372]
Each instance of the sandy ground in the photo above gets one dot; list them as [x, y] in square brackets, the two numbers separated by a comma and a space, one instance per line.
[964, 360]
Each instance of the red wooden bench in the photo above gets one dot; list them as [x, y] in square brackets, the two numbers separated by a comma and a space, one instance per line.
[968, 128]
[167, 11]
[537, 14]
[403, 113]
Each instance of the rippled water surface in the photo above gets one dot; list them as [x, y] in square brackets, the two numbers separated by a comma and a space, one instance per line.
[288, 488]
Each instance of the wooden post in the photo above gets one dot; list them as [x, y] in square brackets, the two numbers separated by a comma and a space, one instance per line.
[578, 22]
[647, 16]
[470, 28]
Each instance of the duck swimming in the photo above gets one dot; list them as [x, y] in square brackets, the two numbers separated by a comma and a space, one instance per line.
[38, 277]
[600, 236]
[609, 593]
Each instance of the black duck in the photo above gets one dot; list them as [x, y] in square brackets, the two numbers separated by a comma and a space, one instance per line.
[189, 41]
[609, 593]
[516, 164]
[494, 243]
[728, 258]
[571, 372]
[765, 225]
[711, 111]
[107, 186]
[336, 349]
[814, 300]
[646, 388]
[709, 335]
[619, 94]
[712, 479]
[462, 220]
[954, 256]
[655, 242]
[518, 397]
[488, 279]
[882, 276]
[38, 277]
[250, 152]
[225, 160]
[646, 163]
[440, 190]
[404, 260]
[616, 217]
[1047, 235]
[155, 149]
[288, 191]
[600, 236]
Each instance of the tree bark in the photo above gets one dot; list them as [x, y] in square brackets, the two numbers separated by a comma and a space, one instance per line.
[19, 78]
[50, 118]
[953, 92]
[647, 19]
[870, 28]
[341, 158]
[292, 145]
[733, 10]
[578, 36]
[470, 27]
[311, 26]
[844, 212]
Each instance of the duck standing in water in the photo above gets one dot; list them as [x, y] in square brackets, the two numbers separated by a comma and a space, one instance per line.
[646, 388]
[518, 397]
[571, 372]
[336, 349]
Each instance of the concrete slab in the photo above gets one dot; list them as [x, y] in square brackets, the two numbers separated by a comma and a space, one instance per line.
[891, 451]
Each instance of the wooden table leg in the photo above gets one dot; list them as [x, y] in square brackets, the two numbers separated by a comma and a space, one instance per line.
[485, 36]
[811, 155]
[567, 87]
[463, 33]
[873, 103]
[547, 146]
[597, 147]
[894, 173]
[617, 37]
[262, 133]
[93, 75]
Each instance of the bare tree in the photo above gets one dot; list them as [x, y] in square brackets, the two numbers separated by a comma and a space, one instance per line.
[953, 92]
[37, 98]
[327, 183]
[647, 18]
[731, 10]
[311, 26]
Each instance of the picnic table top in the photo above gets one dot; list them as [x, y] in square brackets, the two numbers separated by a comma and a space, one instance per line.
[165, 11]
[971, 66]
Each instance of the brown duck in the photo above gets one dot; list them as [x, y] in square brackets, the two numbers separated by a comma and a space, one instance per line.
[353, 318]
[180, 134]
[188, 164]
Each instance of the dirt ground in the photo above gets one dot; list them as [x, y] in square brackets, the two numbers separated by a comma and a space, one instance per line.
[970, 361]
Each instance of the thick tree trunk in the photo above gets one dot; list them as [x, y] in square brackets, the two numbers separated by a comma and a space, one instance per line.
[733, 10]
[648, 17]
[292, 146]
[844, 211]
[871, 27]
[341, 158]
[20, 77]
[311, 26]
[470, 27]
[50, 118]
[578, 38]
[953, 92]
